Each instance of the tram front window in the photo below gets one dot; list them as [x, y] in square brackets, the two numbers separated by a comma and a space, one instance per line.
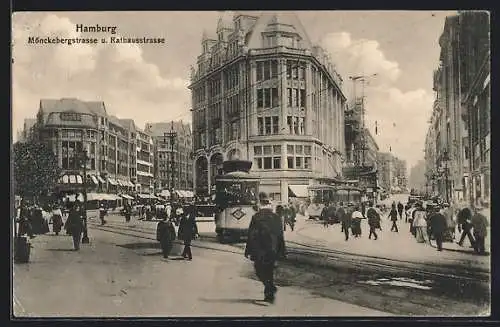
[316, 196]
[236, 193]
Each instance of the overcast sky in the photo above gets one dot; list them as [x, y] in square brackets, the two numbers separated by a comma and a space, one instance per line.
[148, 83]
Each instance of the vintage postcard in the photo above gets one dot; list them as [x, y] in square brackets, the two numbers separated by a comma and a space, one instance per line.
[251, 163]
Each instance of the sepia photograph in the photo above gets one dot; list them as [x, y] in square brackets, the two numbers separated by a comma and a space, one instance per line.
[182, 164]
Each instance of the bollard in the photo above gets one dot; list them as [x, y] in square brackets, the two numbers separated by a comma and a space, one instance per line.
[22, 250]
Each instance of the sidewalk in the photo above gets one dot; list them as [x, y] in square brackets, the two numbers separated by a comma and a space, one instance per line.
[105, 280]
[389, 245]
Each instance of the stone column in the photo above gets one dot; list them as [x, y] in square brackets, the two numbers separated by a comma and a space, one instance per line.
[209, 173]
[223, 95]
[282, 89]
[284, 190]
[309, 103]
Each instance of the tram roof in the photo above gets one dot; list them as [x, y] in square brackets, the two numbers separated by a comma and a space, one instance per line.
[237, 175]
[334, 187]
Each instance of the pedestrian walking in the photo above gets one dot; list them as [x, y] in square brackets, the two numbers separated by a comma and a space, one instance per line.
[407, 208]
[480, 226]
[188, 231]
[165, 234]
[75, 225]
[400, 210]
[393, 214]
[373, 221]
[464, 218]
[437, 226]
[356, 218]
[290, 216]
[324, 215]
[57, 221]
[419, 223]
[102, 213]
[345, 218]
[265, 245]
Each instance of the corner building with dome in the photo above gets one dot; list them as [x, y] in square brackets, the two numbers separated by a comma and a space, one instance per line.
[262, 92]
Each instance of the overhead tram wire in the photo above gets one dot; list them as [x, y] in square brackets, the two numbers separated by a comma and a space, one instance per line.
[245, 89]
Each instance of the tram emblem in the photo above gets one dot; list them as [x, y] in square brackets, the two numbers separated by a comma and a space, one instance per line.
[238, 213]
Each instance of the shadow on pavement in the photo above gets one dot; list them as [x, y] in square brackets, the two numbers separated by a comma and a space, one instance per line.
[141, 245]
[61, 250]
[245, 301]
[461, 251]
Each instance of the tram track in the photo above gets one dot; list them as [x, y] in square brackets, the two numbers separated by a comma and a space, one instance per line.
[416, 268]
[306, 253]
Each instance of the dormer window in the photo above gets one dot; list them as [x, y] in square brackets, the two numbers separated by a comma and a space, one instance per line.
[269, 41]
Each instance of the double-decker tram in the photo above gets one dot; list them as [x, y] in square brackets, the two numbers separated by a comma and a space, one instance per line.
[236, 197]
[322, 194]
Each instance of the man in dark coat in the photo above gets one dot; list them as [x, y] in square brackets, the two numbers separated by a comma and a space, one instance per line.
[394, 218]
[188, 231]
[437, 225]
[345, 219]
[373, 220]
[400, 210]
[480, 224]
[324, 215]
[265, 245]
[75, 225]
[165, 233]
[464, 217]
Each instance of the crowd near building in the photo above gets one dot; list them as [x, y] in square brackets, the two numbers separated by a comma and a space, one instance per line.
[392, 173]
[181, 149]
[457, 147]
[120, 157]
[262, 91]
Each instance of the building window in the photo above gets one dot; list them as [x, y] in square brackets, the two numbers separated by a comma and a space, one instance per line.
[266, 70]
[295, 125]
[267, 157]
[302, 98]
[70, 116]
[290, 162]
[268, 125]
[290, 97]
[260, 98]
[260, 125]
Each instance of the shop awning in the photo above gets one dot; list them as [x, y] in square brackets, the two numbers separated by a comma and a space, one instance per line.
[130, 184]
[101, 180]
[112, 181]
[73, 197]
[126, 196]
[94, 179]
[71, 179]
[146, 196]
[165, 193]
[189, 194]
[297, 191]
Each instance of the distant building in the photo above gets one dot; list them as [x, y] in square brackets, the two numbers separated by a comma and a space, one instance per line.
[69, 126]
[261, 91]
[183, 151]
[458, 139]
[417, 179]
[385, 172]
[28, 130]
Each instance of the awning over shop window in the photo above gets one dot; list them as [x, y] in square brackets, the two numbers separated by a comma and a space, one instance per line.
[130, 184]
[73, 197]
[112, 181]
[101, 180]
[126, 196]
[119, 182]
[94, 179]
[146, 196]
[71, 179]
[189, 194]
[297, 191]
[165, 193]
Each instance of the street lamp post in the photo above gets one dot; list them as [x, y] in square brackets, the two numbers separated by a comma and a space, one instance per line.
[84, 159]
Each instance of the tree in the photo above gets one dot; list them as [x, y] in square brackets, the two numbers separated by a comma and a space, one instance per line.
[35, 169]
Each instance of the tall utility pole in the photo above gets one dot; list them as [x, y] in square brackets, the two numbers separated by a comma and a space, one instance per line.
[172, 135]
[84, 159]
[362, 79]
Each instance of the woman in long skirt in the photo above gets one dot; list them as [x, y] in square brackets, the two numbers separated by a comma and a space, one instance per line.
[420, 225]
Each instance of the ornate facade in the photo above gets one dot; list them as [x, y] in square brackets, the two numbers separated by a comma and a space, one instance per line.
[263, 92]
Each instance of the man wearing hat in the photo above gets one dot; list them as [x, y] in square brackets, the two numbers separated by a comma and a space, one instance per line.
[265, 244]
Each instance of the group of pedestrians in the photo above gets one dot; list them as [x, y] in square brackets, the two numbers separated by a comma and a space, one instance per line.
[439, 222]
[187, 231]
[34, 219]
[288, 214]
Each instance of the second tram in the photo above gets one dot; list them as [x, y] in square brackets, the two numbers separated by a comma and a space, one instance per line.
[236, 197]
[320, 195]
